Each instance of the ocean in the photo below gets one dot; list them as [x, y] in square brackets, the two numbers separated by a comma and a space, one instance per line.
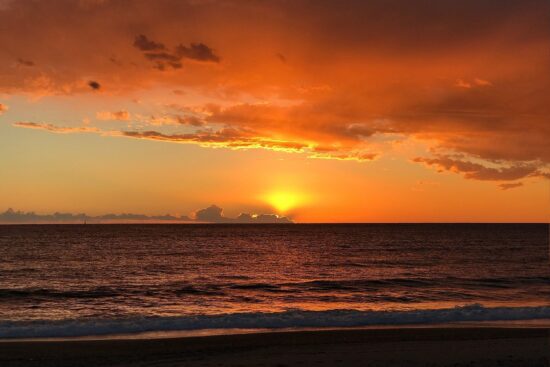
[79, 280]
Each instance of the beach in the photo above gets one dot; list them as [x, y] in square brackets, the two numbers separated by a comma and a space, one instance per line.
[430, 346]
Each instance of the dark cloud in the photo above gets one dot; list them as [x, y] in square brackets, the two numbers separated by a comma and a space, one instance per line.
[94, 85]
[12, 216]
[211, 214]
[198, 52]
[508, 186]
[163, 58]
[145, 44]
[281, 57]
[472, 170]
[24, 62]
[214, 214]
[420, 26]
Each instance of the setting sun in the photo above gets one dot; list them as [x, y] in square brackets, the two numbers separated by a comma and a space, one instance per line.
[283, 201]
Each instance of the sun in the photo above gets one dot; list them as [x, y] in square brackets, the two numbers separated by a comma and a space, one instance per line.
[284, 201]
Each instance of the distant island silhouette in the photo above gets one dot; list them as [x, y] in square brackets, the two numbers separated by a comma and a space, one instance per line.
[211, 214]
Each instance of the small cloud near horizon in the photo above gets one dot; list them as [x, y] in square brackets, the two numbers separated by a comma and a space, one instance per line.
[214, 214]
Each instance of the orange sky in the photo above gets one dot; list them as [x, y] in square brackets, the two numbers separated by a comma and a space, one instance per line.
[320, 110]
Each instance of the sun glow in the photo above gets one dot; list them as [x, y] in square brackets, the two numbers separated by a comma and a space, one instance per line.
[284, 201]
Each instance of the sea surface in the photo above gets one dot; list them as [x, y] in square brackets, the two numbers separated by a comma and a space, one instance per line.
[75, 280]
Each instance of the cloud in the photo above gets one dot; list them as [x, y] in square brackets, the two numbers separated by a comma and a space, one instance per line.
[197, 52]
[281, 57]
[462, 84]
[353, 156]
[12, 216]
[507, 186]
[145, 44]
[223, 138]
[211, 214]
[228, 138]
[163, 58]
[121, 115]
[56, 129]
[190, 120]
[214, 214]
[94, 85]
[474, 83]
[24, 62]
[471, 170]
[482, 82]
[3, 108]
[308, 74]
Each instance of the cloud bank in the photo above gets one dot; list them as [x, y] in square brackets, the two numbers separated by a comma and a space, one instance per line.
[212, 214]
[467, 78]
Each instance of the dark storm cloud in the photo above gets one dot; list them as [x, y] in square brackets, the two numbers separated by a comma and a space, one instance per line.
[163, 58]
[145, 44]
[198, 52]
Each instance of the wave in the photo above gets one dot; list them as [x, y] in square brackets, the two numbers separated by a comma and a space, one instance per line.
[364, 286]
[258, 320]
[39, 293]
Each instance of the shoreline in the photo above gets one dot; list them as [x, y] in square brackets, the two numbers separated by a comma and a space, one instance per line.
[440, 346]
[203, 333]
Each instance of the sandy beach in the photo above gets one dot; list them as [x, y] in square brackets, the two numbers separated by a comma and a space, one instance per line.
[469, 346]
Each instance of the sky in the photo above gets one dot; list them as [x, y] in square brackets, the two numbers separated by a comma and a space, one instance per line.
[320, 111]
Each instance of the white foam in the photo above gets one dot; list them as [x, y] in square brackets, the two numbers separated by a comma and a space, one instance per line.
[287, 319]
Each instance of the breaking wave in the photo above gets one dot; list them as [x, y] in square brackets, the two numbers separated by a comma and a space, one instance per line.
[258, 320]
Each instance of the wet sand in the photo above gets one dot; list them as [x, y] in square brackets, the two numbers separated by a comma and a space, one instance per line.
[468, 346]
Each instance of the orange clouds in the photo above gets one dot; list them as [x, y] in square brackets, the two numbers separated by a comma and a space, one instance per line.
[116, 116]
[470, 78]
[226, 138]
[477, 171]
[56, 129]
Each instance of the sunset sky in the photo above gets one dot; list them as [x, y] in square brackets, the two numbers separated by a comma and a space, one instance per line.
[323, 111]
